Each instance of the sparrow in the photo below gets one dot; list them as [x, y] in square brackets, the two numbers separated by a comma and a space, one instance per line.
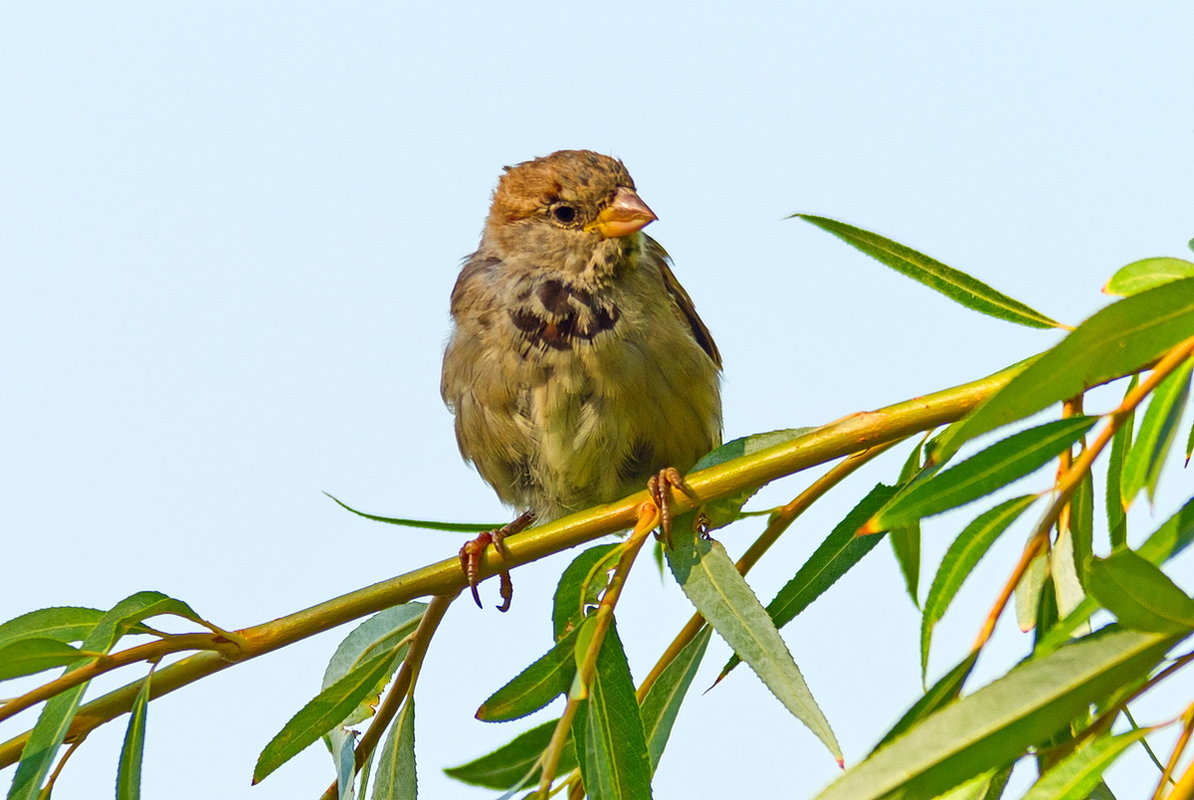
[577, 368]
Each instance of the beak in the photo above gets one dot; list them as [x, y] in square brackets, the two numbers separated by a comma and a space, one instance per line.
[625, 214]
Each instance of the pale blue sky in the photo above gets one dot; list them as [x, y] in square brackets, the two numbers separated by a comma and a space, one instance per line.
[228, 232]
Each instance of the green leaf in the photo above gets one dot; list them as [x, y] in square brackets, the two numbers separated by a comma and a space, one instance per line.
[1174, 536]
[1063, 569]
[511, 762]
[835, 556]
[1121, 443]
[381, 633]
[987, 786]
[342, 743]
[662, 703]
[1141, 596]
[536, 686]
[1077, 775]
[396, 778]
[128, 770]
[1117, 340]
[453, 527]
[325, 711]
[1028, 591]
[1082, 524]
[608, 731]
[384, 632]
[954, 284]
[579, 586]
[29, 656]
[712, 583]
[1148, 273]
[945, 691]
[61, 623]
[58, 712]
[960, 560]
[995, 467]
[1142, 467]
[905, 540]
[727, 509]
[996, 724]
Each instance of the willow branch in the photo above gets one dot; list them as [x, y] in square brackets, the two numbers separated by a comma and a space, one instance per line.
[849, 435]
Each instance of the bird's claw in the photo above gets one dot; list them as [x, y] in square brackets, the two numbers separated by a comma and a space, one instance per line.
[659, 486]
[471, 552]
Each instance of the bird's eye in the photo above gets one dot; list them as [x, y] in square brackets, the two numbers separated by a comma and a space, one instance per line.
[564, 214]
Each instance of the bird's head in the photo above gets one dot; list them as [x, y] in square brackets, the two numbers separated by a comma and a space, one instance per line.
[565, 209]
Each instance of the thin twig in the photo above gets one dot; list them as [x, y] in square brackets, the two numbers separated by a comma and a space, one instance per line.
[402, 688]
[1180, 747]
[1069, 481]
[649, 517]
[150, 651]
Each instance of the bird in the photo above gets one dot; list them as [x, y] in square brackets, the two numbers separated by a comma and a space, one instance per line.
[577, 368]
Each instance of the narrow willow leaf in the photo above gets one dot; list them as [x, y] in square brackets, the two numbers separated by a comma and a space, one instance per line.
[325, 711]
[712, 583]
[662, 703]
[384, 632]
[835, 556]
[608, 731]
[381, 633]
[905, 539]
[1119, 339]
[363, 779]
[453, 527]
[945, 691]
[128, 769]
[1190, 445]
[29, 656]
[61, 623]
[396, 778]
[342, 743]
[1063, 569]
[1167, 541]
[1028, 591]
[534, 687]
[1144, 462]
[1148, 273]
[1077, 775]
[725, 510]
[996, 724]
[1003, 462]
[511, 762]
[1121, 443]
[578, 588]
[988, 786]
[1082, 524]
[960, 560]
[58, 712]
[954, 284]
[1141, 596]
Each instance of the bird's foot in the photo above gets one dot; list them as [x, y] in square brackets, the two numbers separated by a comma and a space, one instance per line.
[470, 557]
[659, 486]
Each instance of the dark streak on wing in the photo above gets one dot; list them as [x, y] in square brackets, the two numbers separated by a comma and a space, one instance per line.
[683, 302]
